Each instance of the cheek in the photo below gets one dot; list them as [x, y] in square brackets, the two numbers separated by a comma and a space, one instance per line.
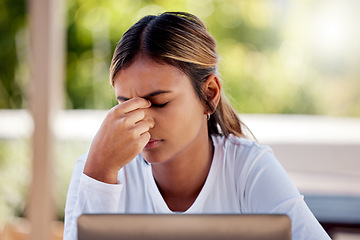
[167, 118]
[180, 119]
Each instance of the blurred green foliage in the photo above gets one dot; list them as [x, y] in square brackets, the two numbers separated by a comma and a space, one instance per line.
[15, 175]
[12, 53]
[269, 60]
[66, 151]
[14, 178]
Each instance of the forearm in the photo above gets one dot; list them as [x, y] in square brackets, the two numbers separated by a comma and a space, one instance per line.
[87, 195]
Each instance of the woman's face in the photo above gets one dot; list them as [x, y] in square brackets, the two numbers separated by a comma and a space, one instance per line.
[178, 114]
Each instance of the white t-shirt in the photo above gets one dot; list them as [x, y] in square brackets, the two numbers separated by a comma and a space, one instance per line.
[244, 178]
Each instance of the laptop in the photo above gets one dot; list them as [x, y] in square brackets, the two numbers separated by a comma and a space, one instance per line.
[183, 226]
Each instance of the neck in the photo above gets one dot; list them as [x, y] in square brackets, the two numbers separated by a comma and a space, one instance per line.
[181, 179]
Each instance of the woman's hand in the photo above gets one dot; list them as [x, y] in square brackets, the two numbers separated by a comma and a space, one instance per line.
[123, 135]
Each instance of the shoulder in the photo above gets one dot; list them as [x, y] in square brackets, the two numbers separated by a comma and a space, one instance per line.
[242, 158]
[240, 148]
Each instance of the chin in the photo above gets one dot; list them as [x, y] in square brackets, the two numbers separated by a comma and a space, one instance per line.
[152, 157]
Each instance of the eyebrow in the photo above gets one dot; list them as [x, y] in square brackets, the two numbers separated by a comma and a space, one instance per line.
[152, 94]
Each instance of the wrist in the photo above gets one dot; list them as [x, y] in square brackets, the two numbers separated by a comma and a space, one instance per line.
[102, 174]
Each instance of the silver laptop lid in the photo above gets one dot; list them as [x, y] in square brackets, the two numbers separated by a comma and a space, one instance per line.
[183, 226]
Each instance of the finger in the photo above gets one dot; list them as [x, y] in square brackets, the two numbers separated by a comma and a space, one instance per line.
[133, 104]
[150, 120]
[144, 139]
[131, 118]
[142, 127]
[140, 142]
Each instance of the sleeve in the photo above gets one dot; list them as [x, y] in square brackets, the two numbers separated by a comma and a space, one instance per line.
[269, 190]
[87, 195]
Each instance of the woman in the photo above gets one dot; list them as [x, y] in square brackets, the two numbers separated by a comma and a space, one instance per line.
[173, 143]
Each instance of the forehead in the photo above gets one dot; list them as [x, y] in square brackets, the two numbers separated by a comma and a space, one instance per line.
[145, 75]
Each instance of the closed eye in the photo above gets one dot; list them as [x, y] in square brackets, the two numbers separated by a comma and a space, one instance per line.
[159, 105]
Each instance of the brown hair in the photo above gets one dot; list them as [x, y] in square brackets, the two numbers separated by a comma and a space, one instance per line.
[182, 40]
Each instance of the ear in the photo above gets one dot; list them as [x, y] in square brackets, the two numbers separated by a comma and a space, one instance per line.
[212, 89]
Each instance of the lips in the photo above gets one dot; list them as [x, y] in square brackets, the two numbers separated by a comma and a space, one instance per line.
[152, 143]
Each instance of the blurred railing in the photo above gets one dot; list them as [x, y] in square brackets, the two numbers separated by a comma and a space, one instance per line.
[321, 154]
